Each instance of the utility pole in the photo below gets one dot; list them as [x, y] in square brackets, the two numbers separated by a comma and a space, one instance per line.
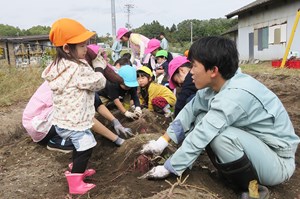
[128, 10]
[113, 19]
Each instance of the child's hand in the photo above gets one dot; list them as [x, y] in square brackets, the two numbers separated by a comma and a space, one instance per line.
[138, 111]
[121, 130]
[131, 115]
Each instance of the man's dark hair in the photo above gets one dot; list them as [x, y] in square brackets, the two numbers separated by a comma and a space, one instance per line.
[216, 51]
[162, 33]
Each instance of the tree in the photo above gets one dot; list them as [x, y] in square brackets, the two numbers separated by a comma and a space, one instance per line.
[38, 30]
[151, 30]
[7, 30]
[176, 33]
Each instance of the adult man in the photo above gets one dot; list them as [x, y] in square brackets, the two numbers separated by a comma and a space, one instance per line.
[164, 44]
[116, 50]
[241, 124]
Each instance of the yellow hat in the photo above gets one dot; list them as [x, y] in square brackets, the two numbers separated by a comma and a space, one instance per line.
[146, 70]
[68, 31]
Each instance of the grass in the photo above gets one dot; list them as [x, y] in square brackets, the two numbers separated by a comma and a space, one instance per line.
[18, 84]
[266, 68]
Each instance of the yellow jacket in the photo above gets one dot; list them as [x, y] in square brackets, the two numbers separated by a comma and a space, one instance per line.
[158, 90]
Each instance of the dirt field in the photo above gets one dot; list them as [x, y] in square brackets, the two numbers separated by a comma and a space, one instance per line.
[28, 170]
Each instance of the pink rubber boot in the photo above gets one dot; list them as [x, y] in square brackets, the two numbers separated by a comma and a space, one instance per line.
[76, 184]
[87, 173]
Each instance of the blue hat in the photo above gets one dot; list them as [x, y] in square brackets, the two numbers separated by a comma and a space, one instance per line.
[128, 73]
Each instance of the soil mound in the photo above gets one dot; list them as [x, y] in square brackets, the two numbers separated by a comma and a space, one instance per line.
[28, 170]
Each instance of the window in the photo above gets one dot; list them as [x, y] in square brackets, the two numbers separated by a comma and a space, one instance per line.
[263, 38]
[277, 34]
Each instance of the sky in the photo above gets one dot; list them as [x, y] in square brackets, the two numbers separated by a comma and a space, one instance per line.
[95, 15]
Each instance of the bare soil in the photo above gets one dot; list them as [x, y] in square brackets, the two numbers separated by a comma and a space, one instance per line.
[28, 170]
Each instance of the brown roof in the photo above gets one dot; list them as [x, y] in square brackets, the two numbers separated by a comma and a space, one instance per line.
[249, 7]
[25, 38]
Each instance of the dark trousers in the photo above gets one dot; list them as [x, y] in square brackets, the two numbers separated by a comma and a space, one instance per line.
[50, 134]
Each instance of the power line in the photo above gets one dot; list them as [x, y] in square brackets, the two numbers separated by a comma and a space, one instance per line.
[128, 8]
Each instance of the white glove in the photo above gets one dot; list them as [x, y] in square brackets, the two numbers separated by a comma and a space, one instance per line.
[155, 147]
[130, 115]
[99, 61]
[121, 129]
[132, 107]
[156, 173]
[138, 111]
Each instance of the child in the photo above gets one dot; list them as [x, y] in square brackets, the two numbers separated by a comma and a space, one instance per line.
[161, 68]
[137, 63]
[37, 120]
[114, 91]
[137, 43]
[151, 50]
[152, 95]
[38, 115]
[121, 62]
[180, 76]
[73, 83]
[95, 51]
[128, 56]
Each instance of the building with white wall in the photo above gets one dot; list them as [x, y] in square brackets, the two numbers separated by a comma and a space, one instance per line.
[264, 29]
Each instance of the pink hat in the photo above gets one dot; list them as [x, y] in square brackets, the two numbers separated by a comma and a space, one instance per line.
[121, 32]
[152, 45]
[94, 47]
[173, 66]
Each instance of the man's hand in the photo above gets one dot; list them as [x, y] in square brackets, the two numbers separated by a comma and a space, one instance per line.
[131, 115]
[156, 173]
[121, 130]
[99, 61]
[155, 147]
[138, 111]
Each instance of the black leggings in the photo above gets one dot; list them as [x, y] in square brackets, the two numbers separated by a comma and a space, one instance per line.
[80, 160]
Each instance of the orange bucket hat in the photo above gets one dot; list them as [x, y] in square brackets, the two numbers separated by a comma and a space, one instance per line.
[68, 31]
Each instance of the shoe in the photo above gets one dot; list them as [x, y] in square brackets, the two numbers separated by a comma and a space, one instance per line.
[58, 144]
